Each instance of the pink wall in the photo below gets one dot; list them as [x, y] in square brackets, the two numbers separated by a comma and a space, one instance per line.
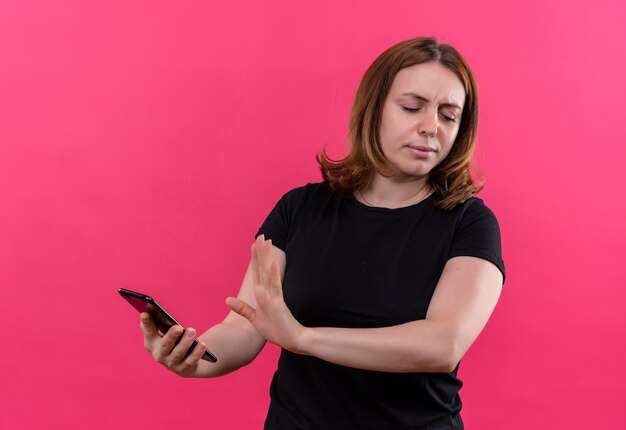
[142, 143]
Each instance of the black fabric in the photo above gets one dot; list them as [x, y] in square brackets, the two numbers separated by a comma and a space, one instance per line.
[351, 265]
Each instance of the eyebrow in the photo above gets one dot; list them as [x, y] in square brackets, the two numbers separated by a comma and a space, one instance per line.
[425, 100]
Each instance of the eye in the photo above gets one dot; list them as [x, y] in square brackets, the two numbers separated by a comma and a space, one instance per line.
[448, 118]
[410, 109]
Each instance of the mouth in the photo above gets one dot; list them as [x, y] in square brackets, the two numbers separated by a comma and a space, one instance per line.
[421, 151]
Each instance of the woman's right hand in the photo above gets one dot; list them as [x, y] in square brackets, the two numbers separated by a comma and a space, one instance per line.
[165, 351]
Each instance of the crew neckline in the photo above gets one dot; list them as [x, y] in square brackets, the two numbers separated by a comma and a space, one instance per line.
[353, 200]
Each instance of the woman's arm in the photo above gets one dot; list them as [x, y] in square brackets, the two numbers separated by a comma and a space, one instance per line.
[462, 303]
[234, 341]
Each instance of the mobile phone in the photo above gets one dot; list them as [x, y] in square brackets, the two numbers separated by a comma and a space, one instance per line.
[161, 317]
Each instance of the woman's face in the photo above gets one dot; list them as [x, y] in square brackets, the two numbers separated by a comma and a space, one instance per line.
[421, 118]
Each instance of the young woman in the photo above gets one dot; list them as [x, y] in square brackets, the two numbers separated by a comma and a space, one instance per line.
[376, 281]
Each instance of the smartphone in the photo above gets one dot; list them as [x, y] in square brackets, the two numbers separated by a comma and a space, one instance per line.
[161, 317]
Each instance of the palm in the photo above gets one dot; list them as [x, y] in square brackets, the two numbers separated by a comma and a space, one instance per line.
[271, 318]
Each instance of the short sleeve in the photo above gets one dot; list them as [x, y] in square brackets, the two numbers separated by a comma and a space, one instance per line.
[276, 225]
[477, 234]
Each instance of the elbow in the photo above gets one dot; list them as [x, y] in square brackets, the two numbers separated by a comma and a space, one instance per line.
[444, 365]
[448, 366]
[449, 356]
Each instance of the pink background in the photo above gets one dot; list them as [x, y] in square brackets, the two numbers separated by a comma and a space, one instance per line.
[143, 143]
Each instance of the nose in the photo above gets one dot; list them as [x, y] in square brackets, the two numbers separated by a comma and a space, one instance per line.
[428, 125]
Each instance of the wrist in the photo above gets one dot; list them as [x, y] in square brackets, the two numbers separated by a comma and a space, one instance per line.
[303, 346]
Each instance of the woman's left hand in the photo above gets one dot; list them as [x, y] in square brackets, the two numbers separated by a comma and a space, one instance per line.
[271, 318]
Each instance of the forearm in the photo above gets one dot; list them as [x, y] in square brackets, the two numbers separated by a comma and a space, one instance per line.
[418, 346]
[233, 345]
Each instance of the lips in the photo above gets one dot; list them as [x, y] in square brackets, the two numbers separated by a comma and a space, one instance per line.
[421, 151]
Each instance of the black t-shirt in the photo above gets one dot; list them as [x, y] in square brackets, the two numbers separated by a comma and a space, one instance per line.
[355, 266]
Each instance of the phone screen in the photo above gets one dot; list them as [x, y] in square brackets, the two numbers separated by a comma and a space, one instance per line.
[163, 320]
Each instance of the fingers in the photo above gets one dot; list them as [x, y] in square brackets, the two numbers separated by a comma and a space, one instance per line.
[275, 282]
[261, 261]
[195, 356]
[164, 346]
[254, 262]
[179, 352]
[150, 331]
[147, 326]
[176, 356]
[184, 361]
[241, 307]
[166, 351]
[264, 262]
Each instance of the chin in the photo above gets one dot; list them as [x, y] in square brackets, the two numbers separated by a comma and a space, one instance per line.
[417, 172]
[413, 174]
[413, 168]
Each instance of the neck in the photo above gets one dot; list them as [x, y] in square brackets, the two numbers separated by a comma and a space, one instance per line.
[394, 192]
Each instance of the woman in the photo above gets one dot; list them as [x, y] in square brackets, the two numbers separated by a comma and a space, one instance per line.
[376, 281]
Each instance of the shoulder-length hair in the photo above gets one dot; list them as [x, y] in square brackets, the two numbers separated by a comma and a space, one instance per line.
[451, 179]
